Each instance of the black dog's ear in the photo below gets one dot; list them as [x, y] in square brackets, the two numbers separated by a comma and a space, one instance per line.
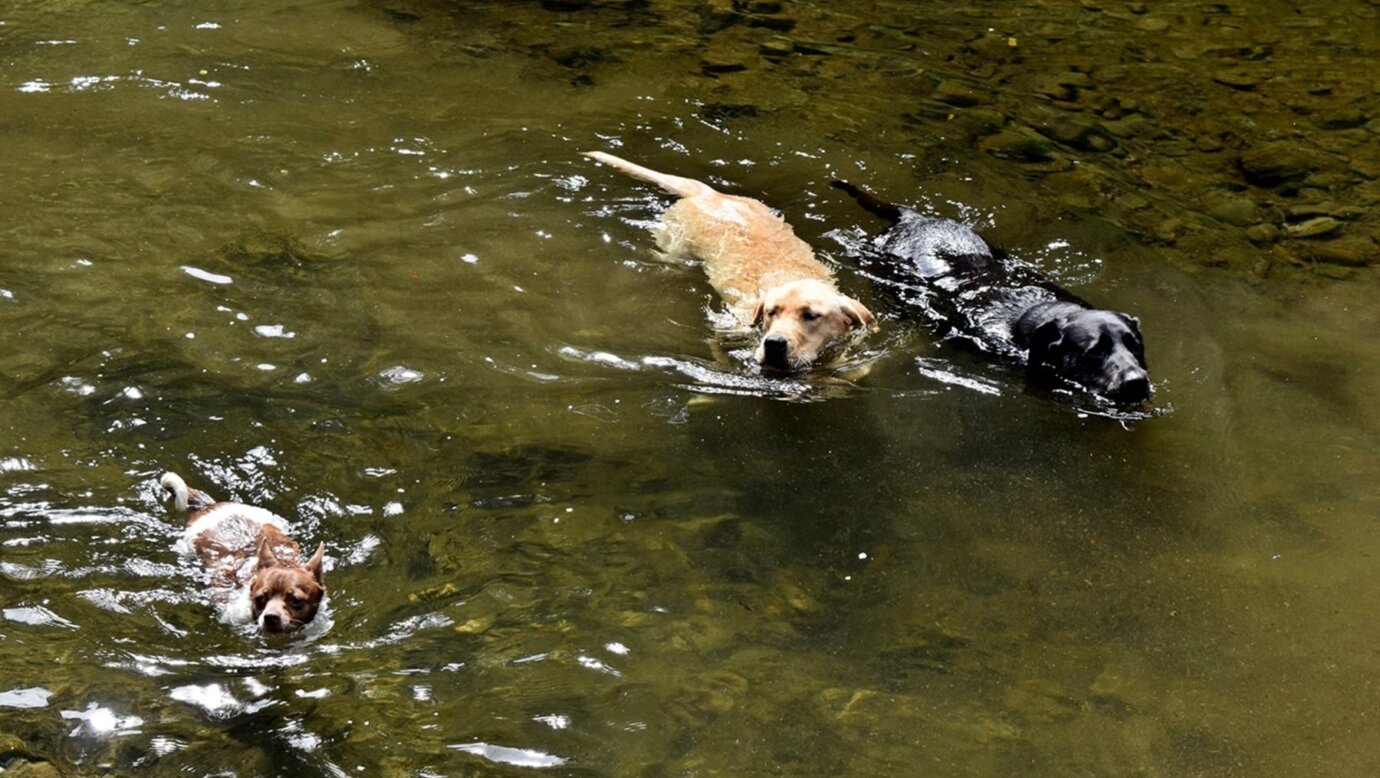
[1138, 347]
[1043, 340]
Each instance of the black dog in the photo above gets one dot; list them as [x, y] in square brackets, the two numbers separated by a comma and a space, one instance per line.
[969, 291]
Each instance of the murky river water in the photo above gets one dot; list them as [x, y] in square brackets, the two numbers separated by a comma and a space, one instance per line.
[342, 260]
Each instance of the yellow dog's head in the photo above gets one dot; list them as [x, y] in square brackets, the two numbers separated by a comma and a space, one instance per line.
[801, 320]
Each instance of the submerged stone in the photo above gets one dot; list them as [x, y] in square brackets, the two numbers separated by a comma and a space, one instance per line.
[1055, 89]
[1232, 208]
[978, 122]
[1100, 142]
[1234, 79]
[1080, 134]
[475, 626]
[441, 591]
[713, 68]
[777, 23]
[994, 47]
[1328, 179]
[1168, 230]
[1019, 145]
[1322, 225]
[957, 93]
[1345, 119]
[1279, 162]
[1308, 210]
[1353, 251]
[21, 768]
[776, 47]
[720, 112]
[717, 15]
[1076, 79]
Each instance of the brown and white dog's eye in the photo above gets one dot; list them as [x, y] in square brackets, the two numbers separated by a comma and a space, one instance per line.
[294, 601]
[260, 601]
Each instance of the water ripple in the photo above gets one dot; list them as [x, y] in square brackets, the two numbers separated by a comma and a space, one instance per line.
[37, 616]
[711, 379]
[207, 276]
[101, 721]
[518, 757]
[33, 697]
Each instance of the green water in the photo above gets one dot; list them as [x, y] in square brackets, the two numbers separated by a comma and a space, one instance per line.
[343, 260]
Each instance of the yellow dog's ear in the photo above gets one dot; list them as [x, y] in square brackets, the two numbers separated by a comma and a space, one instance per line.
[757, 311]
[858, 314]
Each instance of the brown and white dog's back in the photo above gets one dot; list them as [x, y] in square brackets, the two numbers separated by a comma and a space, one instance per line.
[255, 568]
[767, 276]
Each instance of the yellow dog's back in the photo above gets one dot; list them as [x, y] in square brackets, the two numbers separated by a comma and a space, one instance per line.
[745, 246]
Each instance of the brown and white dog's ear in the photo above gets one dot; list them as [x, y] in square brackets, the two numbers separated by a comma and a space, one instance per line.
[858, 314]
[757, 311]
[266, 556]
[313, 565]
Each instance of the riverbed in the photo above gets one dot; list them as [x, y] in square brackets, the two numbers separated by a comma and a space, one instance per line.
[344, 260]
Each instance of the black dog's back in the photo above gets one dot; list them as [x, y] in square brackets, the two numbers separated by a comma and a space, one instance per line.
[949, 273]
[941, 250]
[967, 290]
[932, 248]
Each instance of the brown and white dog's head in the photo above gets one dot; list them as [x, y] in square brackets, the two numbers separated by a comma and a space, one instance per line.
[801, 320]
[285, 594]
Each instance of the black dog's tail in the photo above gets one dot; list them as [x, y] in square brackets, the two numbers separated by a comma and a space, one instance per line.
[885, 210]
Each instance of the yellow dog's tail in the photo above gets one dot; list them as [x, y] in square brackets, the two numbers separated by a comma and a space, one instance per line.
[685, 187]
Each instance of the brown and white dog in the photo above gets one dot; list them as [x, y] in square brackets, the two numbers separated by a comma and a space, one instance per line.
[769, 278]
[256, 569]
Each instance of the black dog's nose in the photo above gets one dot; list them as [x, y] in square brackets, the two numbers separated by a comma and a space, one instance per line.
[1134, 389]
[273, 622]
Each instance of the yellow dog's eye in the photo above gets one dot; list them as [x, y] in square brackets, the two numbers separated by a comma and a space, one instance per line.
[809, 315]
[773, 311]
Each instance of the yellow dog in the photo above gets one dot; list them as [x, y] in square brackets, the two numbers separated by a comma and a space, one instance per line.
[769, 278]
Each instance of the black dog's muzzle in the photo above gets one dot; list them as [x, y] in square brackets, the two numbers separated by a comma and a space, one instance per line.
[1133, 386]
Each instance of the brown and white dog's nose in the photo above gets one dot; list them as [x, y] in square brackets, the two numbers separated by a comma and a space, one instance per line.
[273, 622]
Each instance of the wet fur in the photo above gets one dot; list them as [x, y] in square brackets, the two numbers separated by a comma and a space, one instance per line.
[768, 277]
[249, 554]
[968, 290]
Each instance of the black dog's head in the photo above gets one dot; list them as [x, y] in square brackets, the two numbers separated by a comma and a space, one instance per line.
[1099, 350]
